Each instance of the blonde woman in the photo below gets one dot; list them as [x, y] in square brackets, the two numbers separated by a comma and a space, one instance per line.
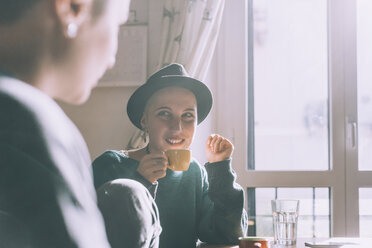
[203, 202]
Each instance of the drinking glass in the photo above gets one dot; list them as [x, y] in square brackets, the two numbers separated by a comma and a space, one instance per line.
[285, 215]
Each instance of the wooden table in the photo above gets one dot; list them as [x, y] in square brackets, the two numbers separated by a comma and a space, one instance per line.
[365, 243]
[300, 244]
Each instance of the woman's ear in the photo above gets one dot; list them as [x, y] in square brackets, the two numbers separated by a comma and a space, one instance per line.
[71, 14]
[143, 122]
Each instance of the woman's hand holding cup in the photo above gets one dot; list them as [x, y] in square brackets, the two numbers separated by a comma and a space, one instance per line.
[218, 148]
[153, 166]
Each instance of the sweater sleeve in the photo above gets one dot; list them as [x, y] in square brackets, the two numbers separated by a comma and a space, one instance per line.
[111, 165]
[151, 187]
[223, 218]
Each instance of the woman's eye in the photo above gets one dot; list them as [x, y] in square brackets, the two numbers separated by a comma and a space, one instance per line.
[164, 113]
[189, 116]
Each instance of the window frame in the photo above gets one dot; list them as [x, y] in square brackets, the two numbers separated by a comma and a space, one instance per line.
[232, 96]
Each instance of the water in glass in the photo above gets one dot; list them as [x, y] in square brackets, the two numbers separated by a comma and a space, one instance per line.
[285, 227]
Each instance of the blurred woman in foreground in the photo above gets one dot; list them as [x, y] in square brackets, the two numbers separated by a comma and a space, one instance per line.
[54, 49]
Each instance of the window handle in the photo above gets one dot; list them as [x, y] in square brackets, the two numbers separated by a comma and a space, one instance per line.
[354, 134]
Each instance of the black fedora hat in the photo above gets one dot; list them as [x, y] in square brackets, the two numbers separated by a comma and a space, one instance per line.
[170, 75]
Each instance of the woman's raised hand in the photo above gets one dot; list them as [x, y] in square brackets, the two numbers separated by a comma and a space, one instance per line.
[153, 166]
[218, 148]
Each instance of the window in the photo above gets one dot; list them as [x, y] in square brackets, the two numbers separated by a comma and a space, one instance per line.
[298, 73]
[314, 216]
[365, 211]
[289, 85]
[364, 62]
[364, 110]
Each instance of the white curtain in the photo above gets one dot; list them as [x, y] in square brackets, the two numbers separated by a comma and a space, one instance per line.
[189, 35]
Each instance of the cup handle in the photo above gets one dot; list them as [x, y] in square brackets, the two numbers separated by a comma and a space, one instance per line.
[169, 166]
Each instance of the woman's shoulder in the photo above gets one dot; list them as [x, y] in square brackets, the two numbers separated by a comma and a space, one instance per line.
[195, 166]
[111, 156]
[195, 174]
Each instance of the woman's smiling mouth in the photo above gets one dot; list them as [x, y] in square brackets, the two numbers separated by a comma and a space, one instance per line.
[174, 141]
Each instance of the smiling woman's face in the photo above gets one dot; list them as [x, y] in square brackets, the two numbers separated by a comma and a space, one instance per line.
[170, 119]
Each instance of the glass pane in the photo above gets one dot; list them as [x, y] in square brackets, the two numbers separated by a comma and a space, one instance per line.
[290, 85]
[365, 212]
[314, 214]
[364, 63]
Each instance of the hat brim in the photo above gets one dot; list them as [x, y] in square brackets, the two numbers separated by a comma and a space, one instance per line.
[137, 102]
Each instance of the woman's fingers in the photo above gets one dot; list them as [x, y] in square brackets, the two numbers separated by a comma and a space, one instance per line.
[215, 142]
[159, 173]
[160, 156]
[221, 145]
[156, 164]
[153, 166]
[209, 140]
[218, 148]
[157, 167]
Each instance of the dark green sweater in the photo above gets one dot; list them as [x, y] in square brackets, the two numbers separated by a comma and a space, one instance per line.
[195, 204]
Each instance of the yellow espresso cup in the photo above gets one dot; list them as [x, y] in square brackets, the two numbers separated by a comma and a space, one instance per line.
[178, 159]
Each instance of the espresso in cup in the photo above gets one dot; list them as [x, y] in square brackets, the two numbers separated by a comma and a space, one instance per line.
[254, 242]
[178, 159]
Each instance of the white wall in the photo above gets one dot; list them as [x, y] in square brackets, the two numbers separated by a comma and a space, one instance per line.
[207, 126]
[102, 120]
[231, 85]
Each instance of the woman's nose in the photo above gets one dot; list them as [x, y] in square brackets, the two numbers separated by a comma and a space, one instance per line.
[176, 124]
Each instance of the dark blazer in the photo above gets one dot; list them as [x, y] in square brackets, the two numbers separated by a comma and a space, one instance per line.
[47, 198]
